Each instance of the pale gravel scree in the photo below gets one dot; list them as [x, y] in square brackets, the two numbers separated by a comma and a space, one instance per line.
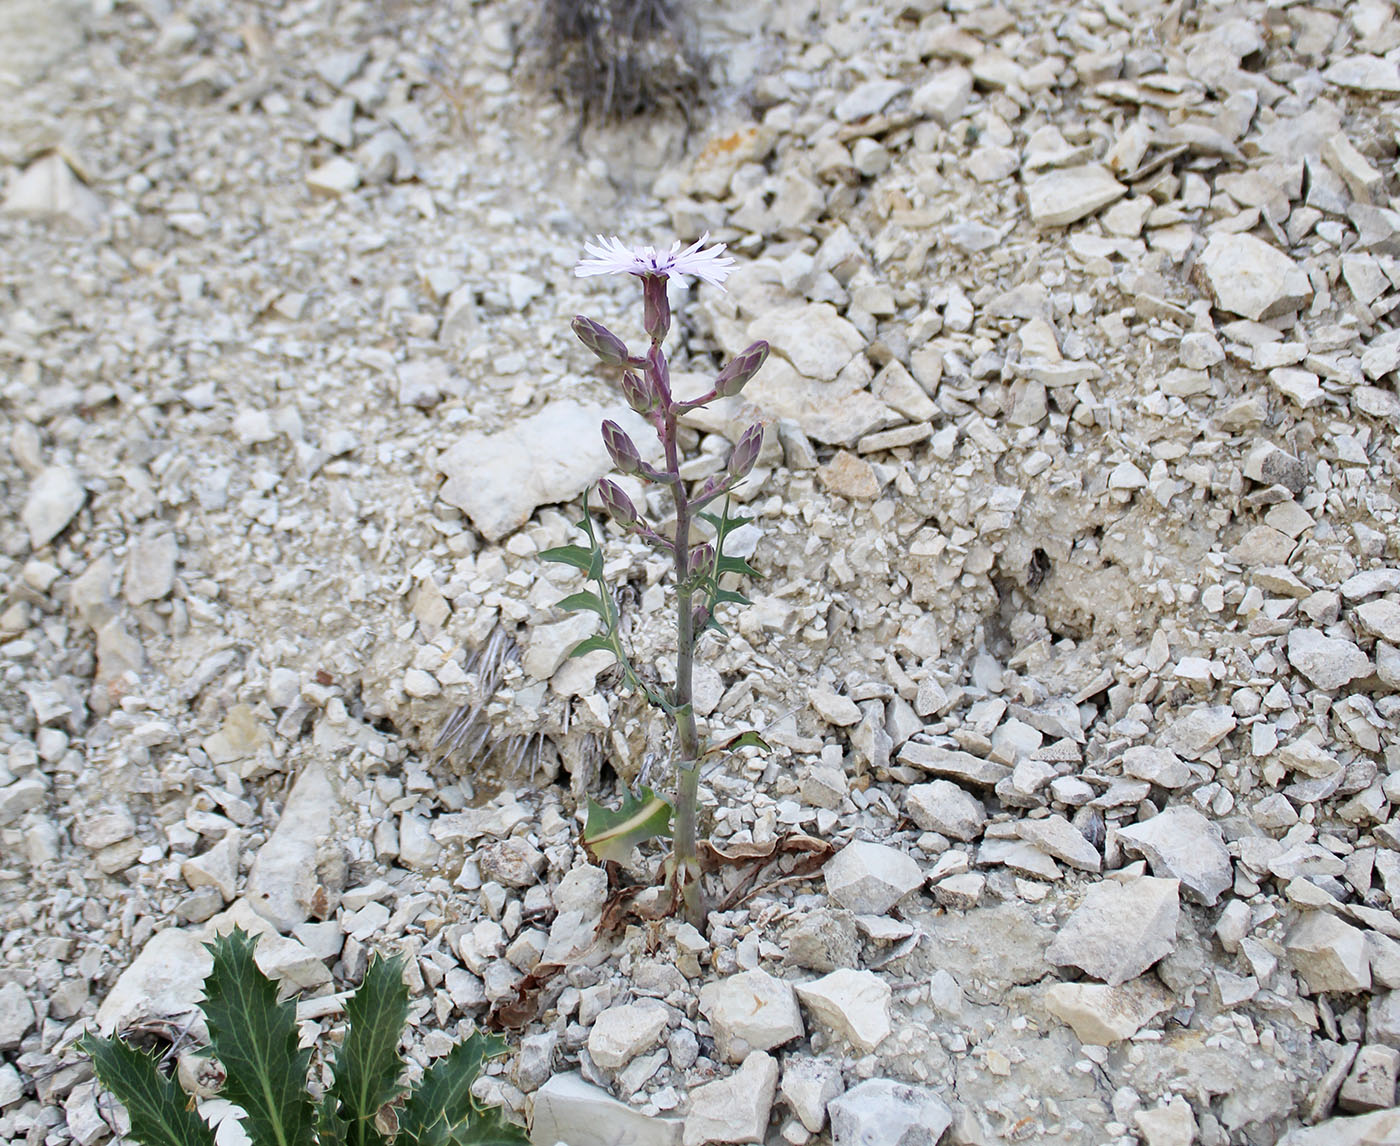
[1050, 489]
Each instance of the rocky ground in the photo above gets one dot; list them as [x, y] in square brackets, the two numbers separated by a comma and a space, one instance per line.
[1077, 638]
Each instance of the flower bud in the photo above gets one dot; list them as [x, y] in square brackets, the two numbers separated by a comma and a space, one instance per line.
[736, 375]
[659, 375]
[745, 454]
[656, 307]
[702, 557]
[602, 341]
[621, 449]
[618, 504]
[638, 392]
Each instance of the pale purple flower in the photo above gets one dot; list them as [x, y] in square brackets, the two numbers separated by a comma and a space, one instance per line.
[614, 257]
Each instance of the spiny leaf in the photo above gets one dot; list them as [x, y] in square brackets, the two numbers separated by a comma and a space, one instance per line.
[749, 739]
[577, 602]
[575, 555]
[725, 564]
[612, 835]
[159, 1109]
[368, 1065]
[441, 1111]
[255, 1038]
[729, 597]
[592, 645]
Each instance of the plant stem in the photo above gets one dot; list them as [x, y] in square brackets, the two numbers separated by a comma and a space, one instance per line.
[687, 864]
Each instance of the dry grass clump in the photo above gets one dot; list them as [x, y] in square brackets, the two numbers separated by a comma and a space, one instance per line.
[618, 59]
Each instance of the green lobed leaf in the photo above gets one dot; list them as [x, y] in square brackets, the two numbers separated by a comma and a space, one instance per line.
[592, 645]
[578, 602]
[255, 1038]
[367, 1066]
[725, 564]
[440, 1111]
[160, 1111]
[612, 835]
[749, 739]
[575, 555]
[729, 597]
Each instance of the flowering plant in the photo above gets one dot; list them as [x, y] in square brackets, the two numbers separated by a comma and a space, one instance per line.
[698, 564]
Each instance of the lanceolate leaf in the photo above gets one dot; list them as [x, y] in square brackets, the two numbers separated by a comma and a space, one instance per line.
[367, 1066]
[159, 1109]
[612, 835]
[593, 645]
[255, 1038]
[749, 739]
[577, 602]
[575, 555]
[441, 1110]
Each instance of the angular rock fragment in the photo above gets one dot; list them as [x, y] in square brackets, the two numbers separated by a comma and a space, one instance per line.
[1249, 277]
[1182, 844]
[881, 1112]
[1328, 954]
[1120, 929]
[1328, 662]
[569, 1109]
[1062, 196]
[853, 1004]
[750, 1011]
[869, 878]
[1104, 1015]
[734, 1109]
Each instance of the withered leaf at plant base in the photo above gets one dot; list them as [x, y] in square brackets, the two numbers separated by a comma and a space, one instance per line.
[796, 843]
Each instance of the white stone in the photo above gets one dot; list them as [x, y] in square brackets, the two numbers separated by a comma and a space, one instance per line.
[336, 176]
[1249, 277]
[1104, 1015]
[545, 459]
[1160, 766]
[734, 1109]
[944, 97]
[1182, 844]
[164, 981]
[1120, 929]
[869, 878]
[1330, 663]
[1060, 197]
[282, 882]
[49, 189]
[1329, 955]
[881, 1112]
[55, 495]
[1057, 837]
[1365, 73]
[620, 1034]
[751, 1011]
[16, 1015]
[808, 1085]
[866, 99]
[816, 340]
[150, 568]
[1171, 1125]
[569, 1109]
[941, 806]
[217, 867]
[853, 1004]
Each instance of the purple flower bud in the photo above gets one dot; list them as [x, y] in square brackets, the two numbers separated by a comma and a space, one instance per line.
[638, 392]
[656, 307]
[736, 375]
[621, 448]
[659, 374]
[745, 454]
[618, 504]
[602, 341]
[702, 557]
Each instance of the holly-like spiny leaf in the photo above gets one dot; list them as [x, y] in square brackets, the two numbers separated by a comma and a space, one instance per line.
[255, 1038]
[159, 1110]
[367, 1066]
[749, 739]
[441, 1111]
[611, 835]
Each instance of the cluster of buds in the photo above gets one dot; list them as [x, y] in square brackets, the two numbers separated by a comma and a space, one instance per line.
[646, 386]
